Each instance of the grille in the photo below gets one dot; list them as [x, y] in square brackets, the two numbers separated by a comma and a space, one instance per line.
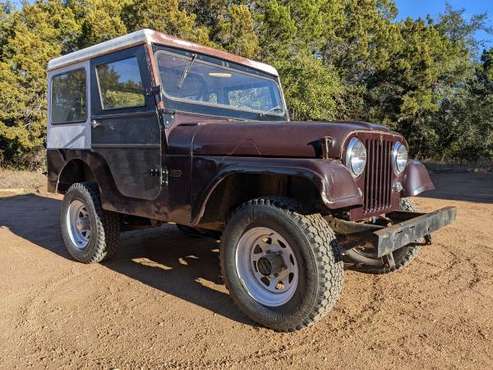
[378, 175]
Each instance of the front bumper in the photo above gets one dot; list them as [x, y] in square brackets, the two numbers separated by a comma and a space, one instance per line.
[410, 227]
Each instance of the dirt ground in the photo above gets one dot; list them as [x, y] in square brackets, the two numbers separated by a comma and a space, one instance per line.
[15, 181]
[161, 303]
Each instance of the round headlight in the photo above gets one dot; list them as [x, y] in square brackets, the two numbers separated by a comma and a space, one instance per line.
[399, 157]
[356, 156]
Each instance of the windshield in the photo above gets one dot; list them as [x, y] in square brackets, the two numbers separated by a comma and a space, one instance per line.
[190, 79]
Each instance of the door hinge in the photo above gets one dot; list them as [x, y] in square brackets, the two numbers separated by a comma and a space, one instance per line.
[167, 117]
[164, 177]
[154, 91]
[163, 174]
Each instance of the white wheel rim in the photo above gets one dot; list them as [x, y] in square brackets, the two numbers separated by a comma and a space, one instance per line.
[267, 266]
[78, 224]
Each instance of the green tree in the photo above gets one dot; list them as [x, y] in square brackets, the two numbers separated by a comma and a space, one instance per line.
[99, 20]
[311, 89]
[338, 59]
[291, 37]
[236, 32]
[40, 32]
[465, 119]
[165, 16]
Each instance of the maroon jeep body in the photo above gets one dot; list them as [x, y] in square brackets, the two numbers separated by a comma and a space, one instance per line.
[148, 129]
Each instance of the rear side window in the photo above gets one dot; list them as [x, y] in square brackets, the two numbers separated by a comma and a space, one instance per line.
[68, 97]
[120, 84]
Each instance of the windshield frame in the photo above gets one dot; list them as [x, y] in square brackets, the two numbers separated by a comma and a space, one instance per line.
[217, 109]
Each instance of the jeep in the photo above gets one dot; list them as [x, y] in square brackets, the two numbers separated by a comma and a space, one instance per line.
[147, 129]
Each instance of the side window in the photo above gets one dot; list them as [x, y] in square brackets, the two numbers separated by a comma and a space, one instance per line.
[120, 84]
[68, 97]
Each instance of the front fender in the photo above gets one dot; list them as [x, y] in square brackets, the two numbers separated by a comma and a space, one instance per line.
[333, 181]
[416, 179]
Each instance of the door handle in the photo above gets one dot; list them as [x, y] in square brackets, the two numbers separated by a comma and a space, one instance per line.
[95, 123]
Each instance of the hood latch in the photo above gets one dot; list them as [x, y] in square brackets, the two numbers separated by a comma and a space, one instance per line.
[326, 144]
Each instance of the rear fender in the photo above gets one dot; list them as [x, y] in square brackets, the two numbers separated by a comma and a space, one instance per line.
[111, 198]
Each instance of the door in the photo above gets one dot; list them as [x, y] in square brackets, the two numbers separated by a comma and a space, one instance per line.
[125, 123]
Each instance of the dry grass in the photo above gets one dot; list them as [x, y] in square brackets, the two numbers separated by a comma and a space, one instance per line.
[22, 181]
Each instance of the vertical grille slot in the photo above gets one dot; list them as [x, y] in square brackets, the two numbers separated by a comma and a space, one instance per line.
[378, 176]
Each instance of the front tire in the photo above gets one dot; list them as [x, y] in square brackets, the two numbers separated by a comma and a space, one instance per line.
[282, 268]
[90, 233]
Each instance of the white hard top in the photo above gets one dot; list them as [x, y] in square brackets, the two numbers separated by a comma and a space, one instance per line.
[147, 36]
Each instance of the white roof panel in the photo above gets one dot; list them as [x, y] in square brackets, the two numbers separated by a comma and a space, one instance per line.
[147, 36]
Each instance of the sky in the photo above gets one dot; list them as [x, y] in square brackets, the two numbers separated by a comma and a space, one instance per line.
[421, 8]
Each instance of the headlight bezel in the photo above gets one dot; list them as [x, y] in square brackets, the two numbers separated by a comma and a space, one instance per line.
[398, 163]
[353, 145]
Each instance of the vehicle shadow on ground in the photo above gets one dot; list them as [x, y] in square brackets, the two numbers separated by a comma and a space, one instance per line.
[162, 258]
[462, 186]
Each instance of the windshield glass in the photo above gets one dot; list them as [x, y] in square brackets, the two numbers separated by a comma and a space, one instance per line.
[192, 80]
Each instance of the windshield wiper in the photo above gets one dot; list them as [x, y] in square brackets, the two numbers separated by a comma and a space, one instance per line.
[185, 72]
[263, 114]
[277, 107]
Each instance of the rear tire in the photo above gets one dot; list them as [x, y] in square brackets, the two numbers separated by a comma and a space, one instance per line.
[282, 268]
[377, 265]
[90, 233]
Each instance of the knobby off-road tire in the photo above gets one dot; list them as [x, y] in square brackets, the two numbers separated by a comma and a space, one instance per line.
[402, 256]
[312, 244]
[103, 239]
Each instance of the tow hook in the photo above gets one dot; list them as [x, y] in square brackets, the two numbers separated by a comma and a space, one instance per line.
[428, 239]
[389, 261]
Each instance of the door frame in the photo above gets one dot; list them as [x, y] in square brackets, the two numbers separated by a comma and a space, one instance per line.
[122, 140]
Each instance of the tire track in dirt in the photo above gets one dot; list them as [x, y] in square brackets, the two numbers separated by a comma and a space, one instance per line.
[31, 312]
[147, 309]
[457, 275]
[356, 317]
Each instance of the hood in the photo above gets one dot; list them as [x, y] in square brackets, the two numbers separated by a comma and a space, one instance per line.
[266, 139]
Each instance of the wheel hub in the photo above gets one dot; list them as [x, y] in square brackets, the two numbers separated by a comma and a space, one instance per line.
[270, 264]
